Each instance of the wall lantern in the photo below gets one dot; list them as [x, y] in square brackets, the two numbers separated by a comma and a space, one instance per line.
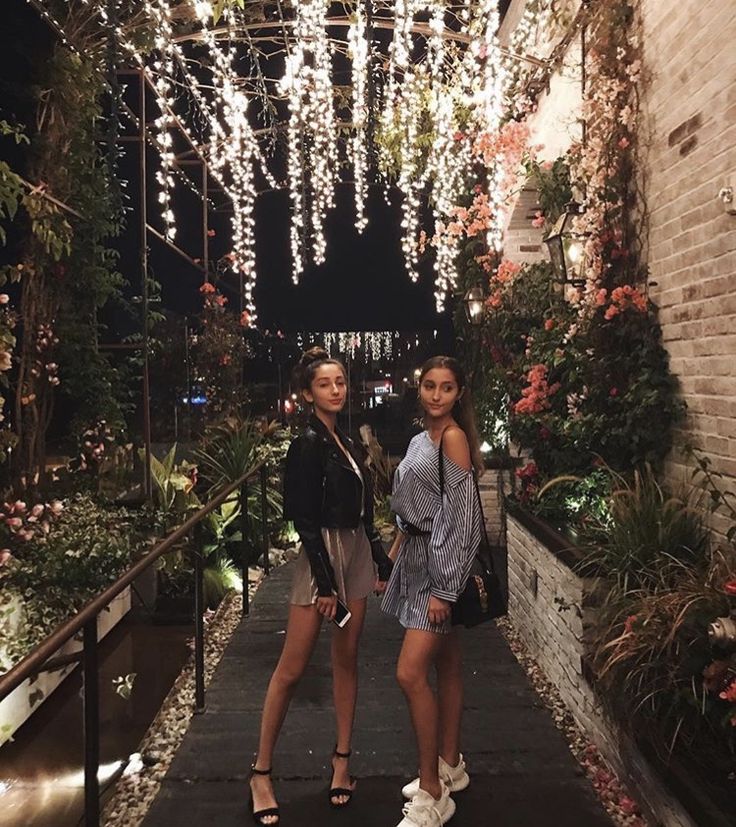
[474, 302]
[567, 247]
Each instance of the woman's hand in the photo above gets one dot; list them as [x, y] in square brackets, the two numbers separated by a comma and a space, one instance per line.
[380, 586]
[327, 606]
[393, 552]
[439, 610]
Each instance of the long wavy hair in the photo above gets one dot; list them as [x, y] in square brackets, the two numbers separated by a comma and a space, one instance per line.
[463, 411]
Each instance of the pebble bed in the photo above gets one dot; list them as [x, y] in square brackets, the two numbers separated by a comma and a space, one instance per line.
[622, 808]
[141, 781]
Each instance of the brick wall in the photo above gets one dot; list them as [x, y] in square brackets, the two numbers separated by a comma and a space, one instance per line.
[553, 610]
[690, 127]
[689, 152]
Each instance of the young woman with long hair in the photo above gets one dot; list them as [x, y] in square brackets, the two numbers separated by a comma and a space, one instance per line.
[439, 524]
[328, 495]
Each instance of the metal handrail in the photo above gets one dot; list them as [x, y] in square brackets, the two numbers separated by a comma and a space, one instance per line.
[86, 621]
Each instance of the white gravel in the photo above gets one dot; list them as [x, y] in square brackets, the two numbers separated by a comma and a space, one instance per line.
[622, 808]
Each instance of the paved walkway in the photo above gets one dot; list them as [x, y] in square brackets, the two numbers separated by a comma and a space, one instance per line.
[523, 774]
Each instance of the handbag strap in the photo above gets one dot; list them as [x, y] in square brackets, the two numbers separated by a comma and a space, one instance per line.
[483, 523]
[441, 465]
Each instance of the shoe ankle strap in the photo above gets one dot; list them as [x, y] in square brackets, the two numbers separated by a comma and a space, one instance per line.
[342, 754]
[256, 771]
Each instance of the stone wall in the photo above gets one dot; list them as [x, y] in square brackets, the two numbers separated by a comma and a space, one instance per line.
[553, 610]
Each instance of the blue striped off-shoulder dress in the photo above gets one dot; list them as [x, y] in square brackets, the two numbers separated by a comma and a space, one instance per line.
[438, 562]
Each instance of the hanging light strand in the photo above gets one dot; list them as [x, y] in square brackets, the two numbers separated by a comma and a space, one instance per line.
[492, 111]
[359, 51]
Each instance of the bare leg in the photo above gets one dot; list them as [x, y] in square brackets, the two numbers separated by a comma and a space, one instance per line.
[450, 696]
[301, 635]
[418, 651]
[345, 689]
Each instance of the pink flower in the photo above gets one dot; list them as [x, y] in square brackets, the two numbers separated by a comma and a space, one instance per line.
[5, 556]
[613, 392]
[730, 587]
[245, 318]
[624, 143]
[6, 360]
[211, 233]
[207, 287]
[538, 220]
[507, 271]
[495, 299]
[56, 508]
[535, 397]
[549, 324]
[628, 806]
[4, 298]
[528, 471]
[729, 693]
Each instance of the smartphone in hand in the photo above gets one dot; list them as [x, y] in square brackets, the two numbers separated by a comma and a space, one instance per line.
[342, 614]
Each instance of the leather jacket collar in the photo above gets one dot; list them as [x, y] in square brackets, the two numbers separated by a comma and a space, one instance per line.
[319, 427]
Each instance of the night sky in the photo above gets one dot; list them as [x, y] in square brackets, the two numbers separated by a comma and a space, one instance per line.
[362, 286]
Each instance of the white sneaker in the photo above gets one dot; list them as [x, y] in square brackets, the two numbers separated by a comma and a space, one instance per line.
[425, 811]
[456, 778]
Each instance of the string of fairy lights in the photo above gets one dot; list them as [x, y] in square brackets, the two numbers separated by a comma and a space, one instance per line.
[373, 345]
[443, 73]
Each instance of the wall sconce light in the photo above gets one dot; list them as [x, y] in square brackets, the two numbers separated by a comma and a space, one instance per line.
[474, 302]
[567, 247]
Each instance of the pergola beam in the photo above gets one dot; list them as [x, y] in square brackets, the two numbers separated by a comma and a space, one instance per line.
[422, 29]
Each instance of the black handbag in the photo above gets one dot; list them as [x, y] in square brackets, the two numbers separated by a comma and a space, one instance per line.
[482, 598]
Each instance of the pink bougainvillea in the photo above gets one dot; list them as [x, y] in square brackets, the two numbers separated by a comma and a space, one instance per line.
[535, 397]
[624, 298]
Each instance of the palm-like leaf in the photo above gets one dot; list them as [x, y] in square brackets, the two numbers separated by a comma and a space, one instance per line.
[230, 451]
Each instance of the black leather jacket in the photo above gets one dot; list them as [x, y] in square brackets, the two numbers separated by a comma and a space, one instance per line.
[321, 490]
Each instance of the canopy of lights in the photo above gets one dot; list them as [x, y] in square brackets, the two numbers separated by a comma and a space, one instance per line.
[306, 95]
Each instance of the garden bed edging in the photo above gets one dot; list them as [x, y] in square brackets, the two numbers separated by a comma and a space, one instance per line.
[553, 609]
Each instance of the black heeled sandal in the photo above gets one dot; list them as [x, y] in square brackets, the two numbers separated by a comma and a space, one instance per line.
[259, 815]
[340, 792]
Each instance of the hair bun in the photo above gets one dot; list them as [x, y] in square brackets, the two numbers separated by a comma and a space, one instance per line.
[314, 354]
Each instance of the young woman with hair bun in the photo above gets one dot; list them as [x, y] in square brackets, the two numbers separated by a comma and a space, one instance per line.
[329, 497]
[439, 522]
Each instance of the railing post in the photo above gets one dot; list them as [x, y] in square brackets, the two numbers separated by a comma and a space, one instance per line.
[244, 544]
[264, 520]
[199, 705]
[91, 725]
